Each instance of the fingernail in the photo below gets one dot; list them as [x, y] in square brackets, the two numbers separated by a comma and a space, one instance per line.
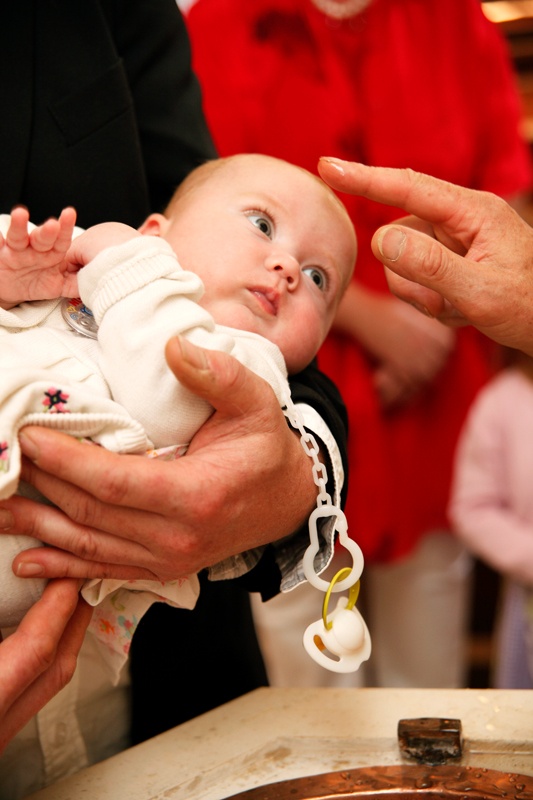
[335, 163]
[28, 446]
[391, 243]
[422, 309]
[195, 356]
[29, 570]
[6, 519]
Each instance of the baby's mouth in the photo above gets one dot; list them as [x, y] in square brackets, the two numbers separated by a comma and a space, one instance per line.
[268, 299]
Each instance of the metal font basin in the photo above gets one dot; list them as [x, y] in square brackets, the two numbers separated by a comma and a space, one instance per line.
[402, 782]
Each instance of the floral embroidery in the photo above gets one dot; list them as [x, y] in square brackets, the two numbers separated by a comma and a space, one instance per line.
[106, 626]
[129, 625]
[55, 400]
[128, 629]
[116, 631]
[116, 602]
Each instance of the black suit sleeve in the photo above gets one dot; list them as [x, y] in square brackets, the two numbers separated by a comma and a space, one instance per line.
[152, 40]
[104, 110]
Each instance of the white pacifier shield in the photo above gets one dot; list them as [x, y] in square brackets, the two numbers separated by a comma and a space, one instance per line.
[348, 640]
[347, 634]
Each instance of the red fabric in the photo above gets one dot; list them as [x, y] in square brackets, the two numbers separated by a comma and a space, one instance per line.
[419, 83]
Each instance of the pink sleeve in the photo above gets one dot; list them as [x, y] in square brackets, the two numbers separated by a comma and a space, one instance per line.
[481, 508]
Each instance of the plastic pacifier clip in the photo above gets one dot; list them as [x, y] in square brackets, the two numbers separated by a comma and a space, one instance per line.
[340, 640]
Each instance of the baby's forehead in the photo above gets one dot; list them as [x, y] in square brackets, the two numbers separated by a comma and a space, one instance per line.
[280, 182]
[267, 168]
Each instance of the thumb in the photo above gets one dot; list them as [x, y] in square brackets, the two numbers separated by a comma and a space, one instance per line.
[218, 378]
[422, 271]
[75, 256]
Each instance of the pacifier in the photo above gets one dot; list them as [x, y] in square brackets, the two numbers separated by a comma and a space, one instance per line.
[340, 640]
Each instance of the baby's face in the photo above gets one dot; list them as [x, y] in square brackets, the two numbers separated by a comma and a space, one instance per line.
[274, 249]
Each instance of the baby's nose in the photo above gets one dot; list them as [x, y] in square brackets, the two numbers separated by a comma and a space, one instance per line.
[287, 265]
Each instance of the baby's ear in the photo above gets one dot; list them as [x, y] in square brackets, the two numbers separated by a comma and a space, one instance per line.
[154, 225]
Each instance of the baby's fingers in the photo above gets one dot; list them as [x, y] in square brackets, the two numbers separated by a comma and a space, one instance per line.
[44, 238]
[17, 237]
[67, 221]
[54, 234]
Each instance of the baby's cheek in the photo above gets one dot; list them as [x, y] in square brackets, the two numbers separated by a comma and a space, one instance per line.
[304, 347]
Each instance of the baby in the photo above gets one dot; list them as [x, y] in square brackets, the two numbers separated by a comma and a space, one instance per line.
[265, 253]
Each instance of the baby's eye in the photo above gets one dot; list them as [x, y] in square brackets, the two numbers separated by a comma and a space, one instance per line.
[261, 222]
[318, 276]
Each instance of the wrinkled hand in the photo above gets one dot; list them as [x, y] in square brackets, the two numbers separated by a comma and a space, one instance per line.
[32, 263]
[39, 658]
[412, 349]
[465, 258]
[124, 516]
[407, 349]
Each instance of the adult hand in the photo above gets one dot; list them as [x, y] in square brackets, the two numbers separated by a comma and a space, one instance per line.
[39, 658]
[466, 257]
[245, 481]
[415, 349]
[409, 350]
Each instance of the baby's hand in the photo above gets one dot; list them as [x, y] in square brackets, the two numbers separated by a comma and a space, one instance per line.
[90, 243]
[32, 263]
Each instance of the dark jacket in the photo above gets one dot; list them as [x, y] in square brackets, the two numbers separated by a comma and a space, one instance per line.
[100, 110]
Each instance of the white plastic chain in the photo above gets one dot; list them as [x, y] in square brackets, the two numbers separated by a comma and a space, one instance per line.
[325, 509]
[339, 641]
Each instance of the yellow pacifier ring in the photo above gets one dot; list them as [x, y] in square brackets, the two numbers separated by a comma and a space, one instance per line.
[352, 595]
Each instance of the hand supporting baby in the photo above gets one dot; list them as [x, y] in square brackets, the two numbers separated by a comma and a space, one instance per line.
[39, 658]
